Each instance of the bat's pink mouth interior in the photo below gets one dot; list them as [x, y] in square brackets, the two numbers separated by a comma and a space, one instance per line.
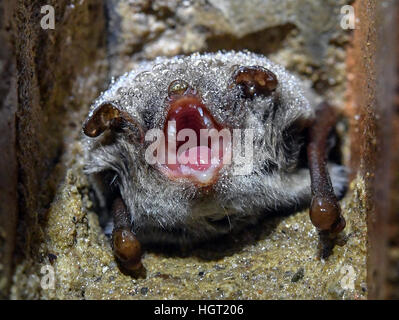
[198, 158]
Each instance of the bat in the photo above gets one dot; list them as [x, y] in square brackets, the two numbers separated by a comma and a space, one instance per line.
[185, 149]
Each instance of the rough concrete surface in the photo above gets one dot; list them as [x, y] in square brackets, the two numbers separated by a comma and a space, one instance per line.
[279, 258]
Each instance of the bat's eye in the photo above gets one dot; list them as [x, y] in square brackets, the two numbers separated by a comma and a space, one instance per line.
[178, 88]
[255, 81]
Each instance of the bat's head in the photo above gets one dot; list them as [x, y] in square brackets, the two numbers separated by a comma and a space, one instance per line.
[194, 139]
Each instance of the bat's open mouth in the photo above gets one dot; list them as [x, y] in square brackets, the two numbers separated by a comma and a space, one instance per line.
[196, 145]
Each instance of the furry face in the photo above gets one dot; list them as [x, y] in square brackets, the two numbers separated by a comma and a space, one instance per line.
[190, 203]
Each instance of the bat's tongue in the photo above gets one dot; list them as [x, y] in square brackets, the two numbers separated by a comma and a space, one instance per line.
[196, 158]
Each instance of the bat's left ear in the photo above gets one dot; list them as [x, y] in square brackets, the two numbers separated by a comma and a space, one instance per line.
[108, 116]
[255, 81]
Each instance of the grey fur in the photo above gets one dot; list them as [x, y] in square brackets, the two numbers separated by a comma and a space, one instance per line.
[178, 212]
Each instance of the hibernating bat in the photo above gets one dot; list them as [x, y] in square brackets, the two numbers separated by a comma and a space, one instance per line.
[185, 149]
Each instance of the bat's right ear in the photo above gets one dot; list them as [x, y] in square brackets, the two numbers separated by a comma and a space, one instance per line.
[108, 116]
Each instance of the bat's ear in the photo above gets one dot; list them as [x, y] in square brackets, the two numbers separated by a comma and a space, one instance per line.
[254, 81]
[108, 116]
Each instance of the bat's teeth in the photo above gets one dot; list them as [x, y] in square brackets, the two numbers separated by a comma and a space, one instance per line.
[208, 122]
